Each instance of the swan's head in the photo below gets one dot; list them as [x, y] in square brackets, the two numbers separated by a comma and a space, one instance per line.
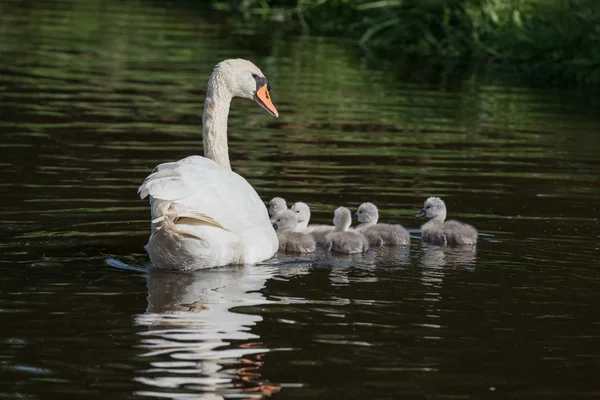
[302, 211]
[342, 218]
[285, 220]
[244, 79]
[276, 205]
[434, 207]
[367, 213]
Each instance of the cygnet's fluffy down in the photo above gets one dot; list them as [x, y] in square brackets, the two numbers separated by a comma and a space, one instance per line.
[302, 211]
[379, 234]
[441, 232]
[289, 240]
[276, 205]
[343, 239]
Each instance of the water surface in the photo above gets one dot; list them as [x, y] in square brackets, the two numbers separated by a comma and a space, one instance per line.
[94, 94]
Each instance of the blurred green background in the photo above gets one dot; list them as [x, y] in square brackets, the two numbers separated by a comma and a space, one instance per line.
[544, 41]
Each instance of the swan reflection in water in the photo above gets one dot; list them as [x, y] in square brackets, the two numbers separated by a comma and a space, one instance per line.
[195, 344]
[198, 347]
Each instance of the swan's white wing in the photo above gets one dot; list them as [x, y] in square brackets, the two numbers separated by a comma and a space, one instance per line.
[200, 185]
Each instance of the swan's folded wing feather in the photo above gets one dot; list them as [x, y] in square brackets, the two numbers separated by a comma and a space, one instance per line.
[207, 189]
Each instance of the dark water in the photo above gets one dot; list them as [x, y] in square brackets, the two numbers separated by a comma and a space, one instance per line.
[94, 94]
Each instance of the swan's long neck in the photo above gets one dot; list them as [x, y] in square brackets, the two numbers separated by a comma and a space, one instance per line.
[214, 121]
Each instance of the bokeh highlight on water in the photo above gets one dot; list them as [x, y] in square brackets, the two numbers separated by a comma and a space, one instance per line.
[94, 94]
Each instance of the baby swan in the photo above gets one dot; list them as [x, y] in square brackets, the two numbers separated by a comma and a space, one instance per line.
[450, 233]
[290, 240]
[343, 240]
[276, 205]
[379, 234]
[302, 211]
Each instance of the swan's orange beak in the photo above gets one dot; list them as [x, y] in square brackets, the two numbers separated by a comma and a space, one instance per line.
[263, 99]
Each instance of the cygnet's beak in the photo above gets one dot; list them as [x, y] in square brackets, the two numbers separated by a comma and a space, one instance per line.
[354, 217]
[275, 226]
[421, 214]
[263, 99]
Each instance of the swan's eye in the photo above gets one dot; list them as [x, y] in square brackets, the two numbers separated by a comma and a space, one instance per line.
[254, 76]
[268, 86]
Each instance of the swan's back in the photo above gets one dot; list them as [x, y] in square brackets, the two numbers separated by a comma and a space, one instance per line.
[386, 235]
[195, 199]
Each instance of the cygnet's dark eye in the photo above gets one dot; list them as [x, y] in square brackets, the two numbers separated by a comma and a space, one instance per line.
[360, 212]
[279, 220]
[297, 211]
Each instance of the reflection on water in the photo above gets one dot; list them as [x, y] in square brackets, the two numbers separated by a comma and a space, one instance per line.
[195, 342]
[436, 257]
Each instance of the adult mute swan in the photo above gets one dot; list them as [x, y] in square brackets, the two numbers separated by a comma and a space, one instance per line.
[203, 214]
[441, 232]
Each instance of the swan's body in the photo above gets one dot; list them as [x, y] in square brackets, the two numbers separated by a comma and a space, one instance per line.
[285, 223]
[379, 234]
[318, 232]
[343, 239]
[441, 232]
[203, 214]
[276, 205]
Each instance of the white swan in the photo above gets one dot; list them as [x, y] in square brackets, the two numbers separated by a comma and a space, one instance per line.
[450, 233]
[203, 214]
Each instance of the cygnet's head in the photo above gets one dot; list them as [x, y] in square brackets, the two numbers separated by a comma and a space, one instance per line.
[367, 213]
[243, 79]
[342, 218]
[434, 207]
[284, 220]
[302, 211]
[276, 205]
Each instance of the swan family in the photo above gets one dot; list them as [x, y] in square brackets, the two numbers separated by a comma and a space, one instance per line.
[204, 215]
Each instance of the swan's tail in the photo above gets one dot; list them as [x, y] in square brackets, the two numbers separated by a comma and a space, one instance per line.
[175, 216]
[169, 226]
